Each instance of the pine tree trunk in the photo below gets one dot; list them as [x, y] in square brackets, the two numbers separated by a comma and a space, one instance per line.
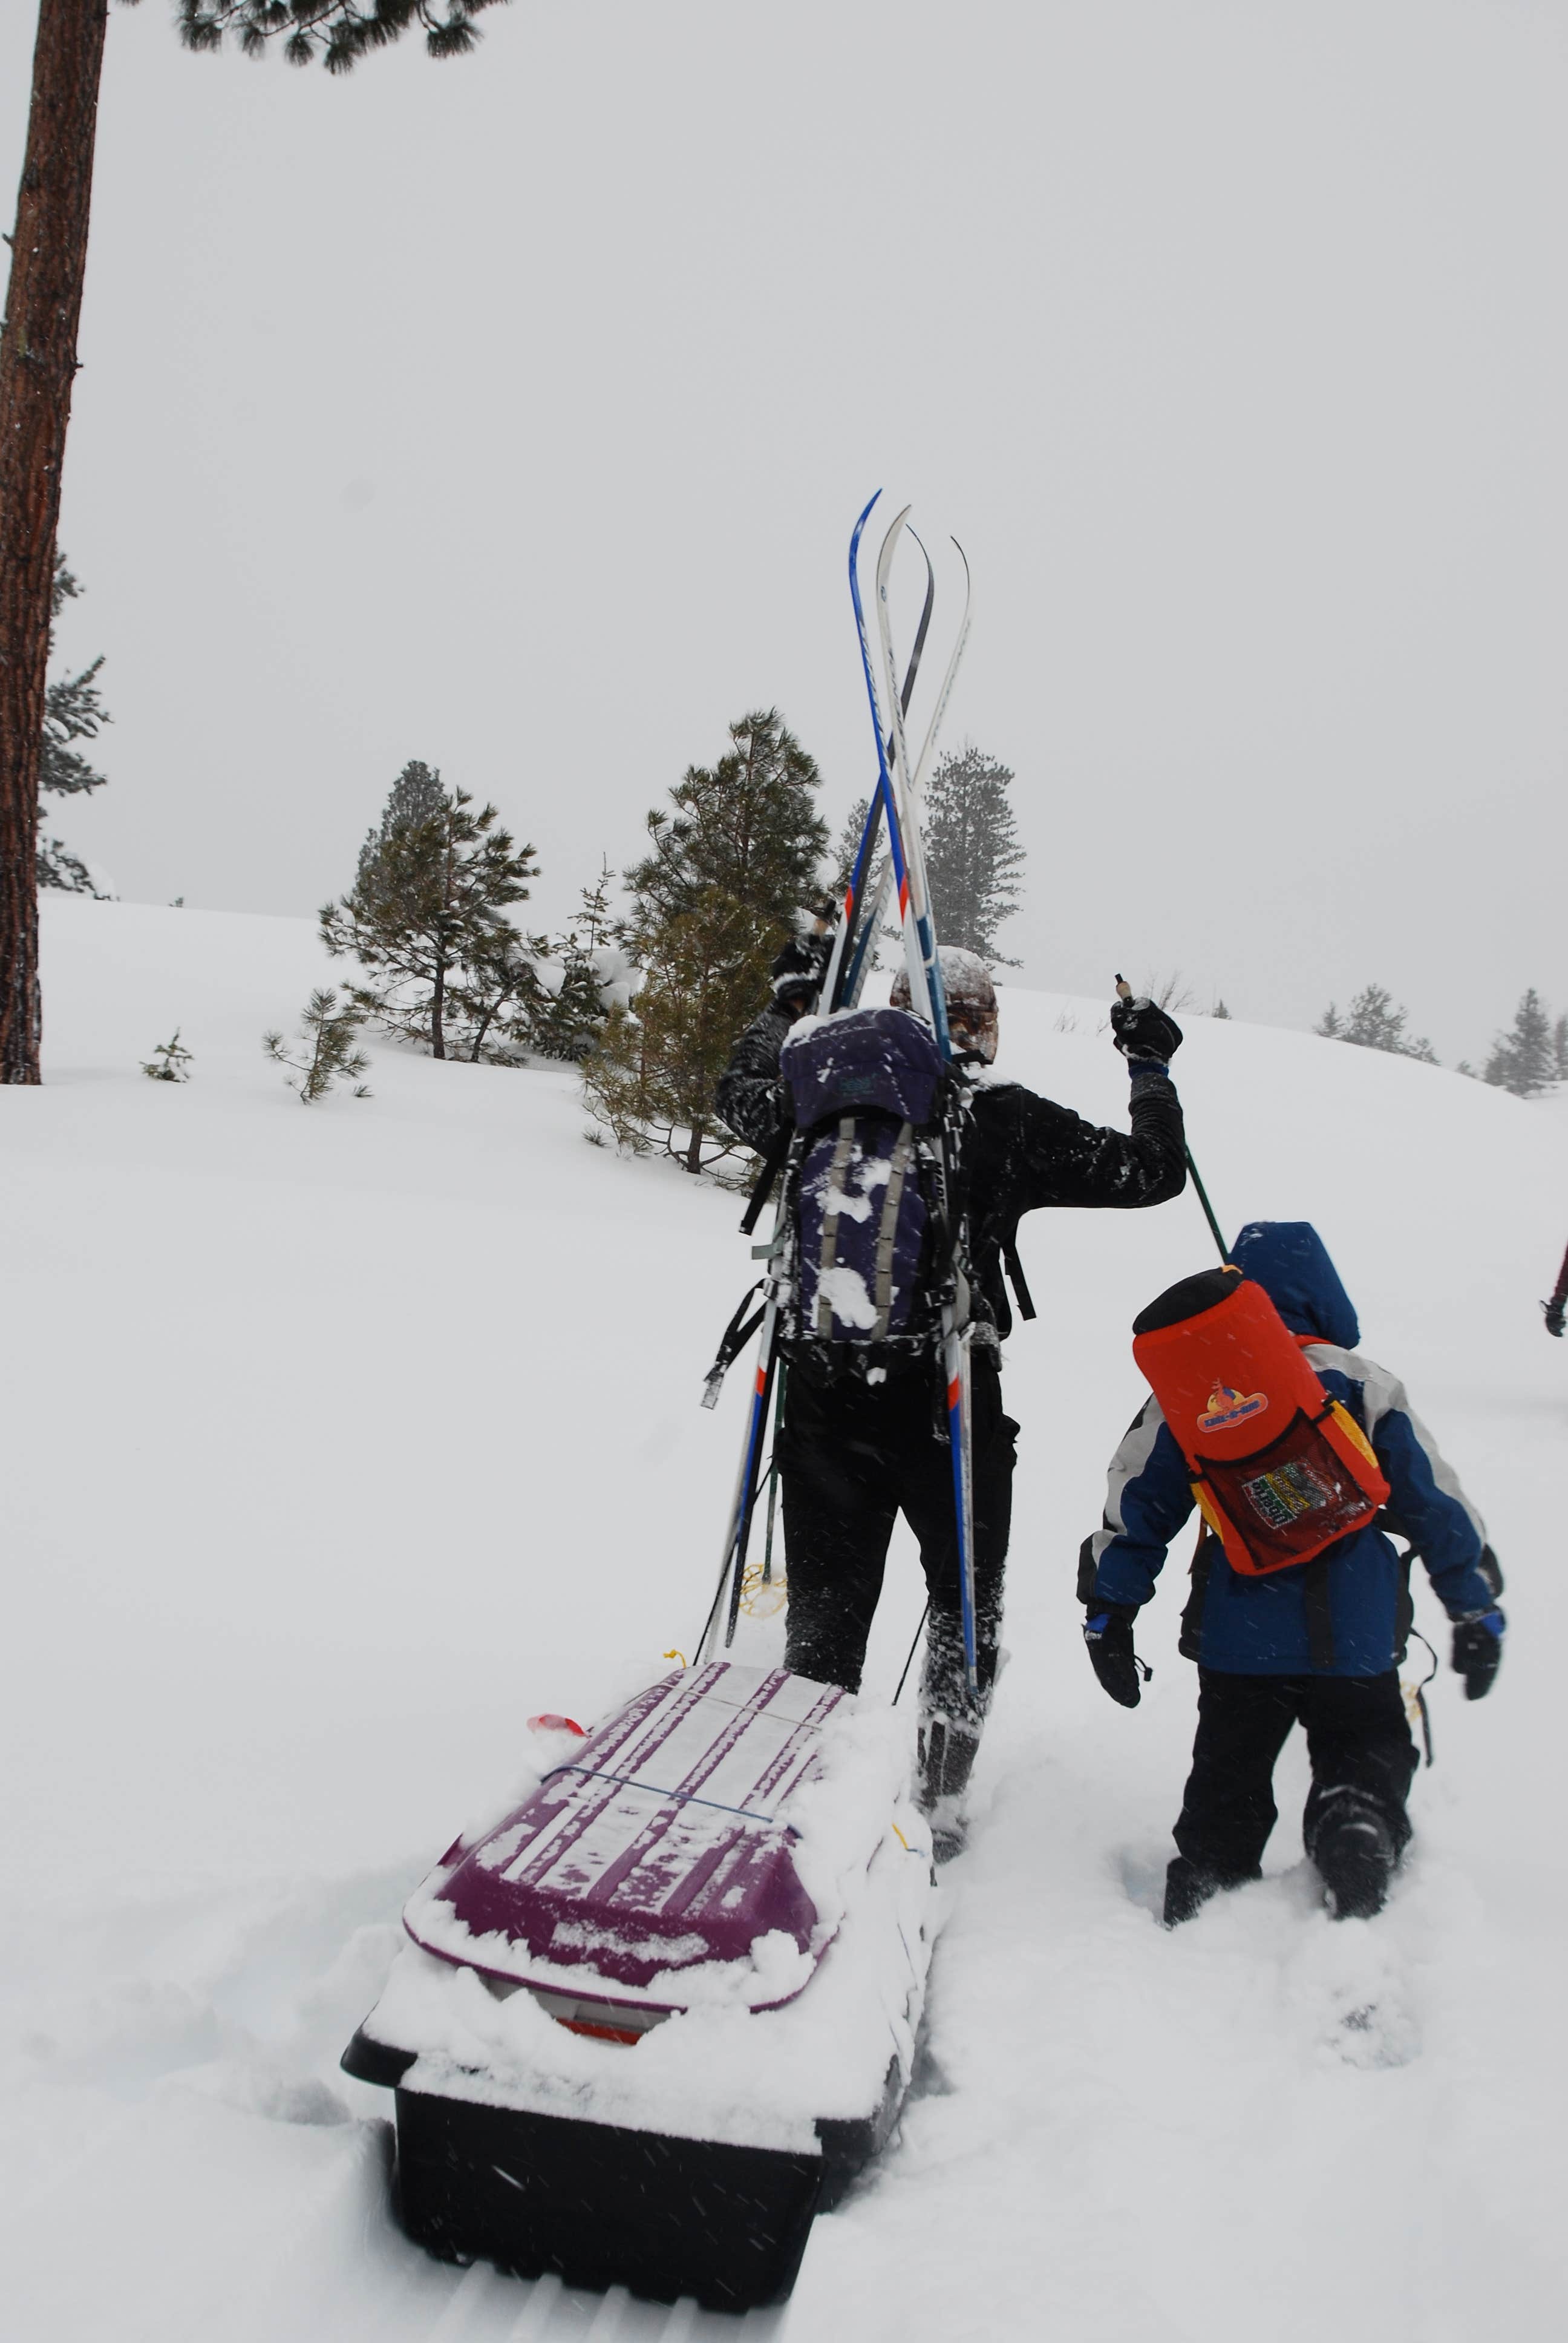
[37, 368]
[694, 1151]
[438, 1005]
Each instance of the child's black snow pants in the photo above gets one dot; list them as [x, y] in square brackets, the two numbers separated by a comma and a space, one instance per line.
[1358, 1739]
[853, 1455]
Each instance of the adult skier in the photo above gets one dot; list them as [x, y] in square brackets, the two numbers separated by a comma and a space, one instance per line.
[1316, 1644]
[865, 1433]
[1559, 1301]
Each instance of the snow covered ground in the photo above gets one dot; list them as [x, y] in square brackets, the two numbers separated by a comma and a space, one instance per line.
[337, 1442]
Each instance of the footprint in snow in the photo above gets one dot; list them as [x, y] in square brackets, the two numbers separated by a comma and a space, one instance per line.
[1351, 1986]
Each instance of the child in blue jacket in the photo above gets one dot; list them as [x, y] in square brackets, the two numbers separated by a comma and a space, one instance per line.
[1316, 1645]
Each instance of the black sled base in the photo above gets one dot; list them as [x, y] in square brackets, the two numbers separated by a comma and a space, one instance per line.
[603, 2206]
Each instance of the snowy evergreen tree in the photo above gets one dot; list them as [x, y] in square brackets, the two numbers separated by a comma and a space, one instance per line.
[1559, 1048]
[426, 917]
[1524, 1059]
[973, 858]
[73, 710]
[1374, 1023]
[711, 905]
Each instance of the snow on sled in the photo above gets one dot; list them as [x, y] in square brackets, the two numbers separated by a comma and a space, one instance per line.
[656, 2018]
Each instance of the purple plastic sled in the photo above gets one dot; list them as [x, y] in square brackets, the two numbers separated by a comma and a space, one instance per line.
[660, 1847]
[651, 1872]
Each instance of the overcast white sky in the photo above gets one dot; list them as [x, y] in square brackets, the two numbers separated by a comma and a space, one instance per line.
[513, 413]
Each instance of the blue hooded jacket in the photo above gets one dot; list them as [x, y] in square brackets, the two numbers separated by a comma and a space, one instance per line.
[1346, 1614]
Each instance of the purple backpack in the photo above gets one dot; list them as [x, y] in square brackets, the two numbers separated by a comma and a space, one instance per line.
[866, 1085]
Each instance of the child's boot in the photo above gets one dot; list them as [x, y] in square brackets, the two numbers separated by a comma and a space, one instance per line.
[1355, 1856]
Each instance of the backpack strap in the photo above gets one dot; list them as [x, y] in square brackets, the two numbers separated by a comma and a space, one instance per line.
[733, 1341]
[767, 1170]
[1320, 1614]
[1016, 1278]
[886, 1233]
[828, 1253]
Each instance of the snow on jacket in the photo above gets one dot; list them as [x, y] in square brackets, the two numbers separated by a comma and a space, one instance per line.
[1347, 1612]
[1021, 1152]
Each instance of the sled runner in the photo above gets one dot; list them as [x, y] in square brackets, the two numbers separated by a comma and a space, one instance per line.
[657, 2017]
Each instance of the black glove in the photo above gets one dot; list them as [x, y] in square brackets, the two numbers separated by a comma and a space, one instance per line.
[797, 972]
[1144, 1032]
[1108, 1633]
[1478, 1651]
[1554, 1316]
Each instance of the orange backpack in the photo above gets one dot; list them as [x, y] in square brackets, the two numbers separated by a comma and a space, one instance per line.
[1280, 1470]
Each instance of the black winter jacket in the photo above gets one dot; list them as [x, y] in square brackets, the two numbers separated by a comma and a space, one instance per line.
[1021, 1153]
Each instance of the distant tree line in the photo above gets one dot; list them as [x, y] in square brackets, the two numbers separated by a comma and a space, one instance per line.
[1528, 1059]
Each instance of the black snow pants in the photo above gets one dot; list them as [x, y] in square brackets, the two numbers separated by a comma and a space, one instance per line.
[1358, 1739]
[852, 1456]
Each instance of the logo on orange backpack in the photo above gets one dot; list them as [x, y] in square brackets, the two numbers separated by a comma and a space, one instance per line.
[1227, 1407]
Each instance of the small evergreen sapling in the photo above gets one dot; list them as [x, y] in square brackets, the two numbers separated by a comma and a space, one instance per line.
[326, 1052]
[170, 1061]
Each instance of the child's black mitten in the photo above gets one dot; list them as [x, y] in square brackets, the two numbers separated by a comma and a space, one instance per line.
[1478, 1651]
[1108, 1635]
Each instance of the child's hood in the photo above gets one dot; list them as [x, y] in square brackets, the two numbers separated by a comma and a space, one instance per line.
[1290, 1261]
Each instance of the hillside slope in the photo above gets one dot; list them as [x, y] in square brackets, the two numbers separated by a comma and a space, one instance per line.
[337, 1442]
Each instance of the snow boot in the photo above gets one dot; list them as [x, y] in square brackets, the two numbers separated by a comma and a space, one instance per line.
[945, 1760]
[1188, 1886]
[1355, 1857]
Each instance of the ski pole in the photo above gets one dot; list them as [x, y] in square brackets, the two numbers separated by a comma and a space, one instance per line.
[1208, 1209]
[781, 1388]
[1124, 992]
[914, 1647]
